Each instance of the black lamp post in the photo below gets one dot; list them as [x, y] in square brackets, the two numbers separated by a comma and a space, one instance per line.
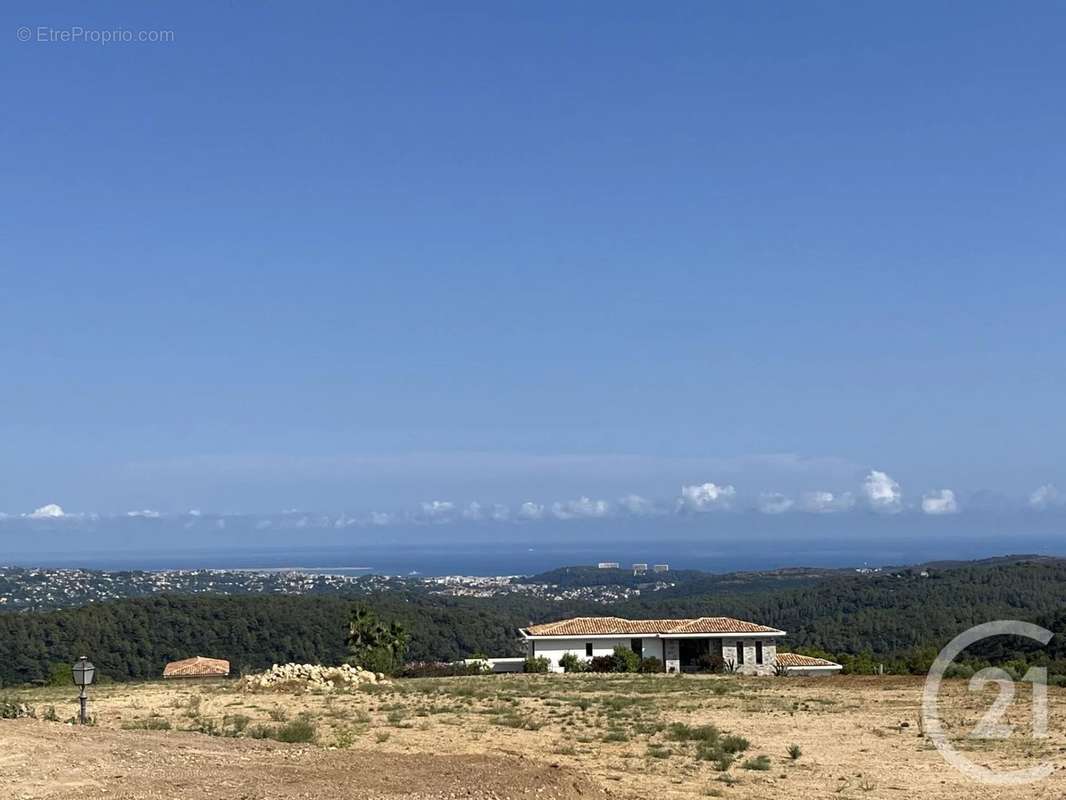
[83, 672]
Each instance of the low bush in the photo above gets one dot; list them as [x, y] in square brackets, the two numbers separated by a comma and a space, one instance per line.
[758, 763]
[733, 744]
[680, 732]
[260, 732]
[11, 709]
[440, 669]
[625, 660]
[299, 730]
[539, 664]
[602, 664]
[571, 663]
[236, 722]
[710, 663]
[723, 761]
[650, 664]
[148, 724]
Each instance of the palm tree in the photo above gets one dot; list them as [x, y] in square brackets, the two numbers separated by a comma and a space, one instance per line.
[367, 634]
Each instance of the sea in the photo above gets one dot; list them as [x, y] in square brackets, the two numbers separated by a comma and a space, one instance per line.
[527, 558]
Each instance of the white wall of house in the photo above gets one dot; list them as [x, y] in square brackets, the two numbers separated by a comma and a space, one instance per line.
[813, 672]
[554, 649]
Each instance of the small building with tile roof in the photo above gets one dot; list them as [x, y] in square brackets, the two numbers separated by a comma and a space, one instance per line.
[682, 645]
[796, 664]
[197, 667]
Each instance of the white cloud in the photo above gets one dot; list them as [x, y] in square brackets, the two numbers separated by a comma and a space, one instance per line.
[821, 502]
[706, 497]
[882, 493]
[438, 510]
[637, 506]
[380, 518]
[146, 513]
[940, 502]
[1046, 496]
[530, 510]
[476, 511]
[774, 503]
[50, 511]
[583, 507]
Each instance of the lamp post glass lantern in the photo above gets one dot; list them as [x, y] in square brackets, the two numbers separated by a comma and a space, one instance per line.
[84, 672]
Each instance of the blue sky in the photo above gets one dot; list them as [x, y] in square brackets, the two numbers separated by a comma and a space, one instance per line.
[361, 257]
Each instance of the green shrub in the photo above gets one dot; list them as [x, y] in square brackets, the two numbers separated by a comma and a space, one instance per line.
[625, 660]
[299, 730]
[260, 732]
[148, 724]
[540, 664]
[710, 663]
[602, 664]
[758, 763]
[650, 664]
[237, 722]
[571, 663]
[59, 674]
[680, 732]
[377, 659]
[794, 752]
[723, 761]
[734, 744]
[442, 669]
[959, 671]
[11, 709]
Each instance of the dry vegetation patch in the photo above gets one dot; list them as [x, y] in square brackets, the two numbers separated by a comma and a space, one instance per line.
[638, 735]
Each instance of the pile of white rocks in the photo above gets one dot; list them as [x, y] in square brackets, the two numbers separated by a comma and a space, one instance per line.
[314, 675]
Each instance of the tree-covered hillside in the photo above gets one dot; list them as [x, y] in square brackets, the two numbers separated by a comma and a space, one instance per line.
[899, 618]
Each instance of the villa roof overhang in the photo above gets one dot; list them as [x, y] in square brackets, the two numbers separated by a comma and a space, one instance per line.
[618, 627]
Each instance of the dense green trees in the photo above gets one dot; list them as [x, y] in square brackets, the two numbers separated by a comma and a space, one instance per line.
[897, 620]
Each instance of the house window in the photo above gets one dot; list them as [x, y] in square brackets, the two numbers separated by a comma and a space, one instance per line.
[637, 646]
[758, 652]
[588, 649]
[740, 653]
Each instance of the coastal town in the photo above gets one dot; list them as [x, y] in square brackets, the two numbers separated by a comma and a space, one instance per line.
[38, 589]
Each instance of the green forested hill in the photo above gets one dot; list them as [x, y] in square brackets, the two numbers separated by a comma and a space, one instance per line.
[900, 619]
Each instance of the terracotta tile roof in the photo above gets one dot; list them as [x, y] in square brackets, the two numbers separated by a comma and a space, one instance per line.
[617, 626]
[796, 660]
[197, 667]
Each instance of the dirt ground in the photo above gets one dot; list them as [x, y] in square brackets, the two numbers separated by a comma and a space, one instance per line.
[45, 760]
[557, 736]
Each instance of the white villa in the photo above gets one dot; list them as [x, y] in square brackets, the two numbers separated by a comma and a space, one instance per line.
[681, 644]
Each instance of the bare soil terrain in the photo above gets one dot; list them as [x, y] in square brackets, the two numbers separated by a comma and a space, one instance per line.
[556, 736]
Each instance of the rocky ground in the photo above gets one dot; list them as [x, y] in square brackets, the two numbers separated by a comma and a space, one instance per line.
[48, 761]
[554, 736]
